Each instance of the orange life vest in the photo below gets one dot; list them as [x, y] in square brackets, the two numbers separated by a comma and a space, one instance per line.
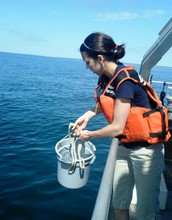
[143, 124]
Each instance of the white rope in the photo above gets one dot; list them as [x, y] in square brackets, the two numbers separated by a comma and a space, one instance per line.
[81, 160]
[73, 152]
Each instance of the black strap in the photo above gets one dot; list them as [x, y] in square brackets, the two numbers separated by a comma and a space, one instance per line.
[162, 134]
[149, 112]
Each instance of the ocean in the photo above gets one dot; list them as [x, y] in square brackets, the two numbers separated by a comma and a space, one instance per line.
[39, 97]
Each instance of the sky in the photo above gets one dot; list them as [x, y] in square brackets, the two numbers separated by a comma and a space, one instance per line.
[57, 28]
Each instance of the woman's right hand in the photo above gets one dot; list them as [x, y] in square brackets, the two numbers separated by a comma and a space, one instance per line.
[80, 123]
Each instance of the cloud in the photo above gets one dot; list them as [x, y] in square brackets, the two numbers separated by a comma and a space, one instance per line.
[112, 16]
[153, 13]
[25, 35]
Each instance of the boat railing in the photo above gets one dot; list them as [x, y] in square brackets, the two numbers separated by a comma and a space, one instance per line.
[167, 90]
[157, 51]
[162, 82]
[103, 201]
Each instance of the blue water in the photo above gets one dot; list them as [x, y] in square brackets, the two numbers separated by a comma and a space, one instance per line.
[39, 97]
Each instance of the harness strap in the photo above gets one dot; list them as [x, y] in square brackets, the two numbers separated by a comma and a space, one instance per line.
[149, 112]
[160, 135]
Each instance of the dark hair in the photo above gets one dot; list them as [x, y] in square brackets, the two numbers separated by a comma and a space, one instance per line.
[101, 44]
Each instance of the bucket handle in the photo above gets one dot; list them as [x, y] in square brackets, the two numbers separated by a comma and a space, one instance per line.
[93, 159]
[58, 151]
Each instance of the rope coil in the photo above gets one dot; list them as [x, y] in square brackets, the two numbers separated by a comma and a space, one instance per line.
[75, 151]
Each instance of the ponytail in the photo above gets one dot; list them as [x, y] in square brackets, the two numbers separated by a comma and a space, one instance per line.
[101, 44]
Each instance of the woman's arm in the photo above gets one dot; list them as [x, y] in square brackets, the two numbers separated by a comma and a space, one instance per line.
[121, 112]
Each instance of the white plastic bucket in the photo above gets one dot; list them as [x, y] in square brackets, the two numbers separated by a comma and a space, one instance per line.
[80, 176]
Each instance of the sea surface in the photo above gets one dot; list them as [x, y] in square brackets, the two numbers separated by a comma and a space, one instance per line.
[39, 97]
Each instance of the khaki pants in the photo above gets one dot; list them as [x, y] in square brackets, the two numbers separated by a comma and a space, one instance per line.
[141, 166]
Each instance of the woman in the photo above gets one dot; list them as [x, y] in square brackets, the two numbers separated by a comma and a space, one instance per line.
[138, 162]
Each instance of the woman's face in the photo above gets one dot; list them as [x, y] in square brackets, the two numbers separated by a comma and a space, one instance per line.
[92, 64]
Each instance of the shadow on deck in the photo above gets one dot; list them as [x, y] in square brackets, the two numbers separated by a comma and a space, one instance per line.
[165, 194]
[167, 213]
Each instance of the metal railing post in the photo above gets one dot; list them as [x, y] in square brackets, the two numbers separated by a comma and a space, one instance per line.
[102, 205]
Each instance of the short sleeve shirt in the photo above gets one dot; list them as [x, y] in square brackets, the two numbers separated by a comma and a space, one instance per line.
[129, 90]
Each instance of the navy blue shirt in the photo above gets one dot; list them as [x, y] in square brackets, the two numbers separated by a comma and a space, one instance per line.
[128, 89]
[131, 90]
